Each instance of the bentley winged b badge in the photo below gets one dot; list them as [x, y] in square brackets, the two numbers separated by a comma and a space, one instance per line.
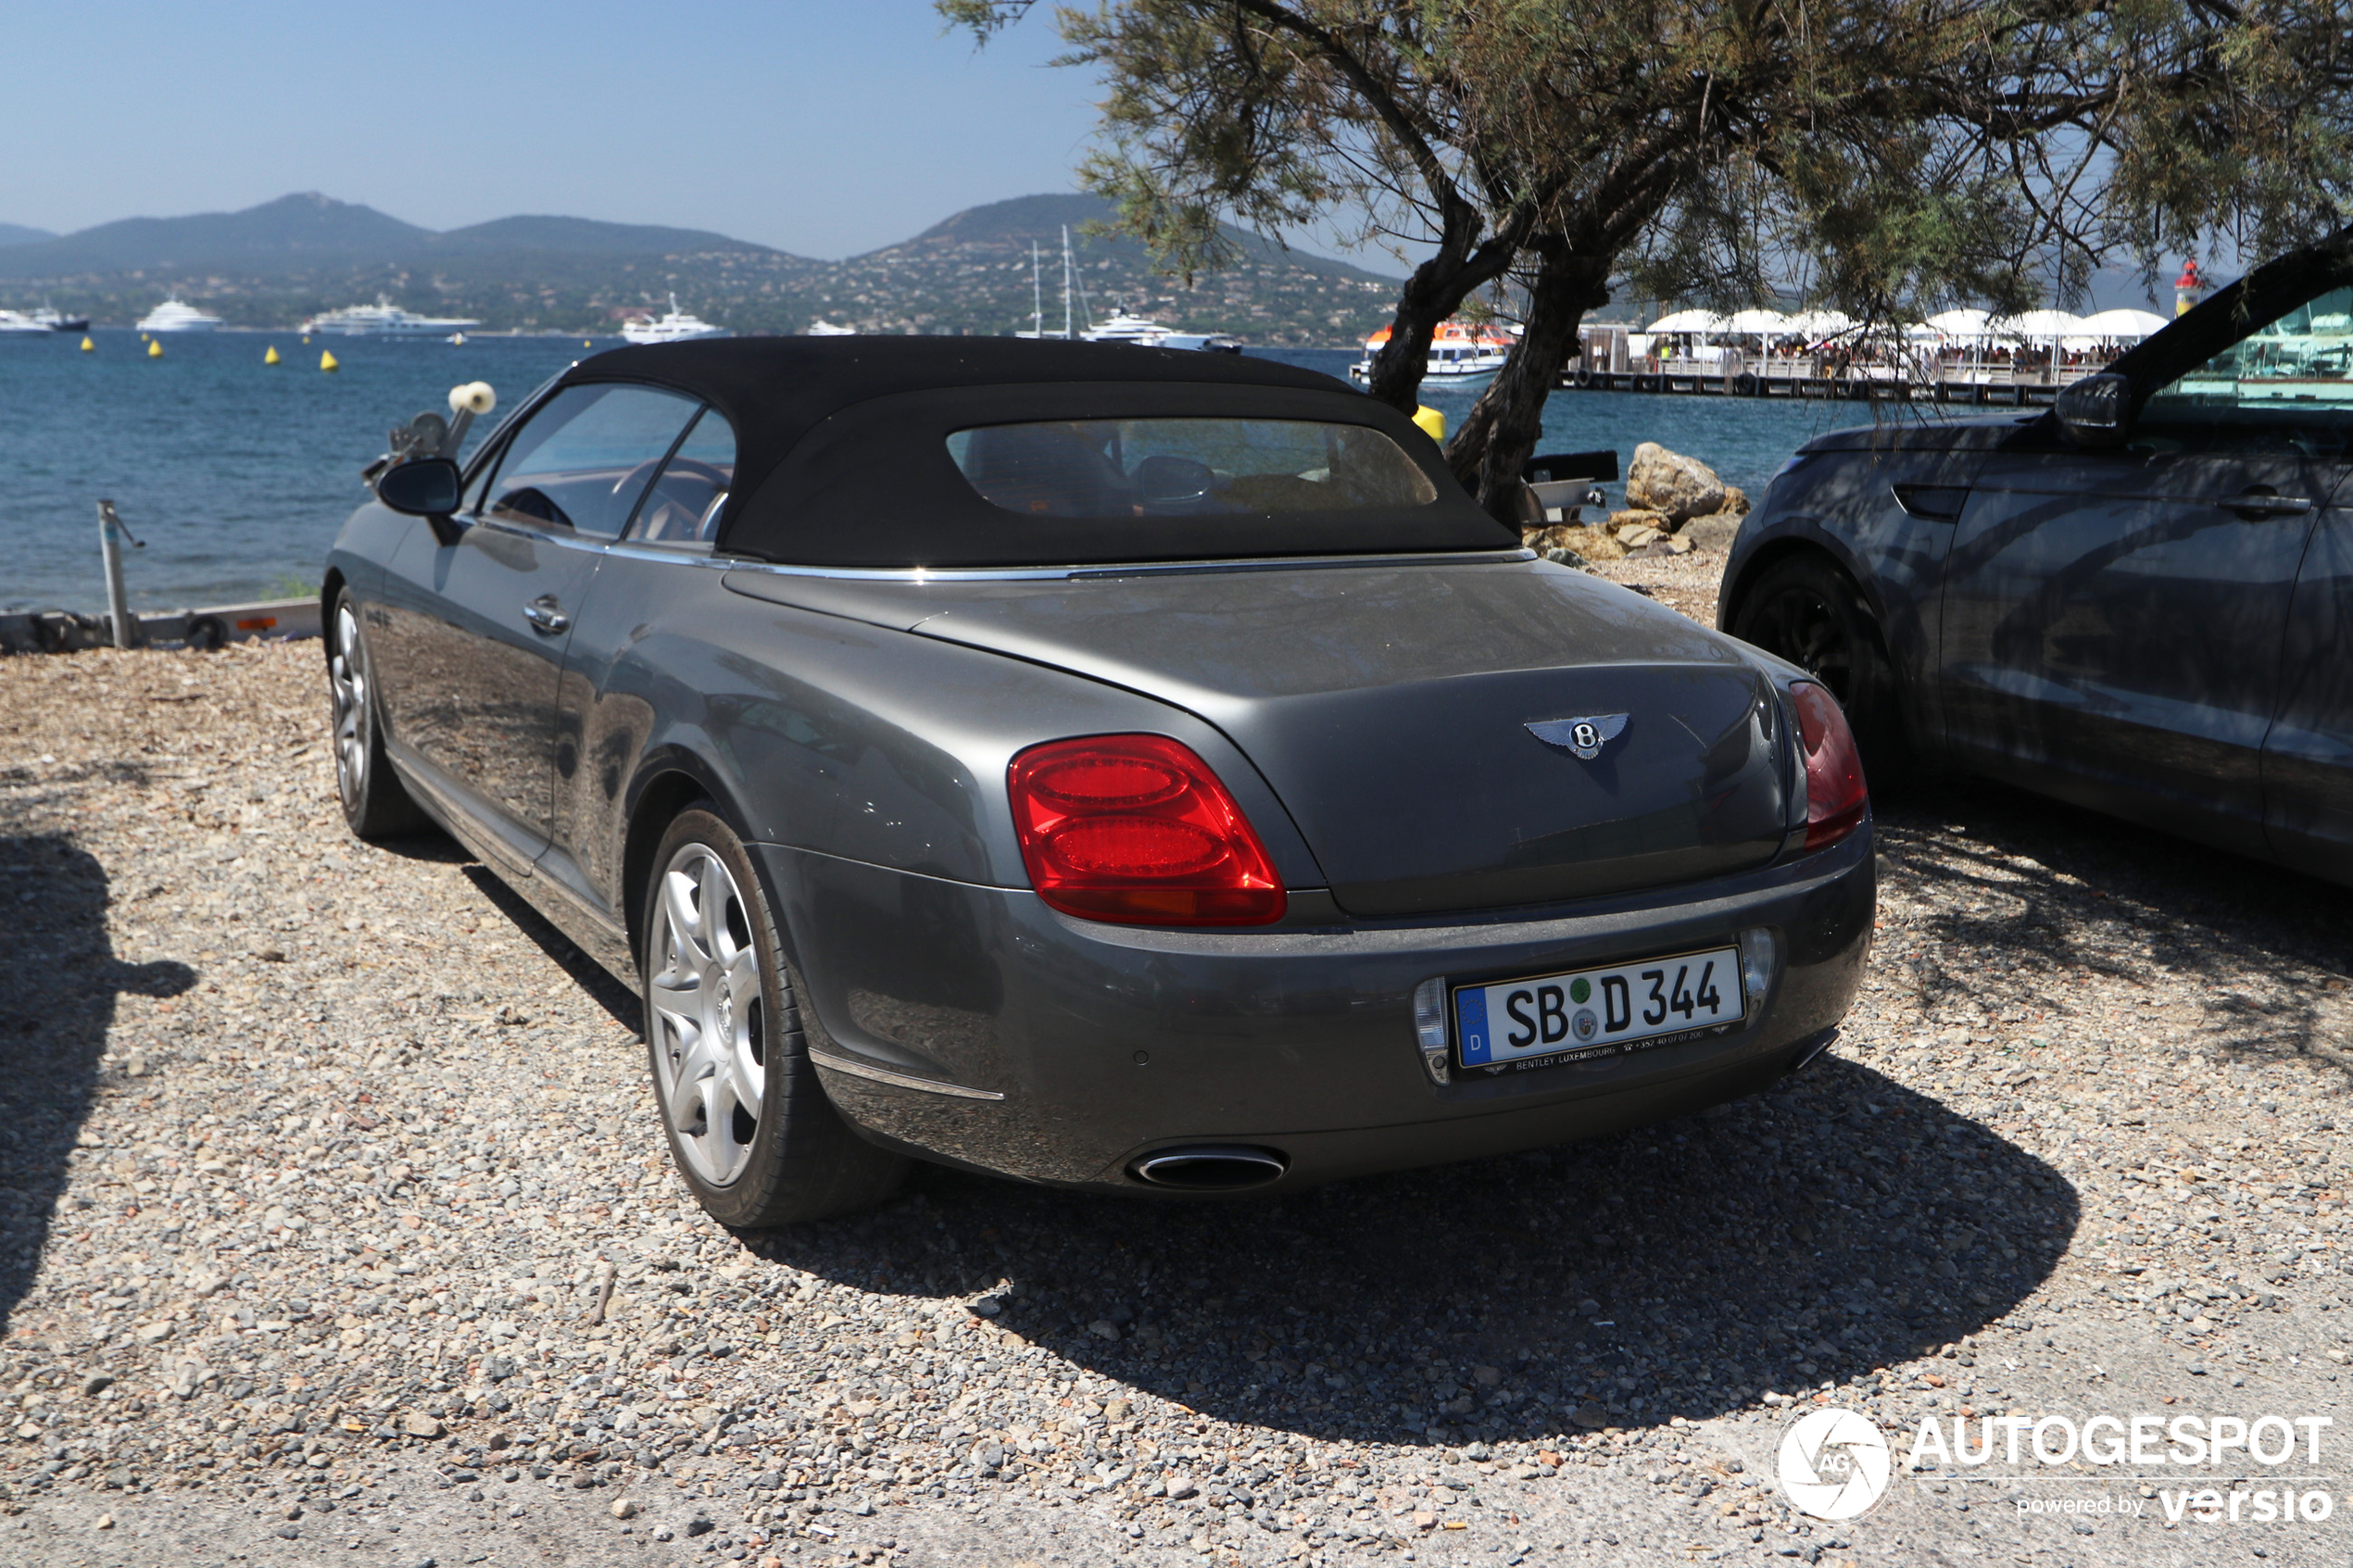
[1583, 738]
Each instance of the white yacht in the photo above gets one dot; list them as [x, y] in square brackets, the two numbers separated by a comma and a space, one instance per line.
[384, 318]
[1123, 328]
[14, 321]
[823, 328]
[176, 315]
[675, 327]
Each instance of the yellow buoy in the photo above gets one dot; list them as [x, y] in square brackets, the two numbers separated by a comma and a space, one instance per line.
[1432, 421]
[326, 360]
[585, 344]
[271, 357]
[306, 337]
[86, 345]
[155, 349]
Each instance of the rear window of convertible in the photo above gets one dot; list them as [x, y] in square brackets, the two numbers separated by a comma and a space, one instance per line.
[1180, 467]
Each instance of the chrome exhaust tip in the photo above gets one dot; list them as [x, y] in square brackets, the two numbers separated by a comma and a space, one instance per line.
[1210, 1167]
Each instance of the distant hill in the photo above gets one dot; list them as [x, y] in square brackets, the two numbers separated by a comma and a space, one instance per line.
[271, 265]
[18, 235]
[973, 272]
[581, 236]
[292, 230]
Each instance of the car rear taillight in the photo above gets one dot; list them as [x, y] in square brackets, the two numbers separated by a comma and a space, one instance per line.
[1136, 829]
[1835, 794]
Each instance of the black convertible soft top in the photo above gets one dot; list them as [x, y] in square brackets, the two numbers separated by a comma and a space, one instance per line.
[842, 457]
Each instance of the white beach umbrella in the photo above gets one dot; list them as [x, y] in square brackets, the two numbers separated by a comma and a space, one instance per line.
[2039, 326]
[2114, 326]
[1758, 323]
[1968, 325]
[1682, 321]
[1820, 324]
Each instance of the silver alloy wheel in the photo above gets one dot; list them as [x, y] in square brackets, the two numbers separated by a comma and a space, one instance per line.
[710, 1015]
[347, 684]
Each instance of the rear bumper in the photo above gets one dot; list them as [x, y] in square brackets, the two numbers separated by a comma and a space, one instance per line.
[1101, 1044]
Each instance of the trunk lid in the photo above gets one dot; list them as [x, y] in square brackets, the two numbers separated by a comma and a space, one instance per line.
[1389, 706]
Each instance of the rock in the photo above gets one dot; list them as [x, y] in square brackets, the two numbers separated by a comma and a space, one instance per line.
[1590, 1416]
[1668, 482]
[624, 1509]
[416, 1424]
[1735, 501]
[1637, 516]
[1588, 544]
[1181, 1487]
[1103, 1328]
[1635, 536]
[1713, 532]
[96, 1383]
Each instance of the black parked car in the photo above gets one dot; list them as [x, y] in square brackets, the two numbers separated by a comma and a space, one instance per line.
[2137, 601]
[1110, 767]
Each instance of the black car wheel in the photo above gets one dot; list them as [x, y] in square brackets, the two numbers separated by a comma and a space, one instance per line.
[1805, 610]
[375, 803]
[750, 1125]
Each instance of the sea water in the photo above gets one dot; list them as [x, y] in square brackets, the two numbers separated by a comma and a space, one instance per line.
[235, 474]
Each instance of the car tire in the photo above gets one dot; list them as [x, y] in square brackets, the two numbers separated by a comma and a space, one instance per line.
[1804, 608]
[749, 1127]
[376, 805]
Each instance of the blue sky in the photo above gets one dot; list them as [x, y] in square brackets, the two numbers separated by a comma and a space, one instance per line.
[823, 128]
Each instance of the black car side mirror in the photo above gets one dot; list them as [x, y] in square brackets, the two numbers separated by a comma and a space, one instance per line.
[426, 487]
[2097, 411]
[421, 487]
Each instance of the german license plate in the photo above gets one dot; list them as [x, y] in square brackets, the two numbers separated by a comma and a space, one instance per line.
[1595, 1013]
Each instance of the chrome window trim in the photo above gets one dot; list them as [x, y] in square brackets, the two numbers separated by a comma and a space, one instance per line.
[1138, 568]
[898, 1079]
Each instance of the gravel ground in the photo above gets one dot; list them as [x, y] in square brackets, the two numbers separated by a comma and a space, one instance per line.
[336, 1227]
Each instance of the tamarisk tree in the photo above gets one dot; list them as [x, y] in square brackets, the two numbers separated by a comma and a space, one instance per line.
[1882, 156]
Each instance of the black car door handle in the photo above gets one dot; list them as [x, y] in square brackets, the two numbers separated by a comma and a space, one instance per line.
[2266, 503]
[545, 617]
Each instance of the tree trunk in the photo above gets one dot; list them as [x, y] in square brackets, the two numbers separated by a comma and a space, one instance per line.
[1491, 450]
[1435, 291]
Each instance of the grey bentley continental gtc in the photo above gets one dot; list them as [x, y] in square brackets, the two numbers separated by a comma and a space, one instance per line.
[1109, 766]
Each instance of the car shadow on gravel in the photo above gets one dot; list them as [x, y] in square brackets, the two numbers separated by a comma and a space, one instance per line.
[1834, 1224]
[617, 999]
[2040, 890]
[58, 981]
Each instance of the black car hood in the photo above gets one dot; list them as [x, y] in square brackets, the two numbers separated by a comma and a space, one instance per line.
[1388, 707]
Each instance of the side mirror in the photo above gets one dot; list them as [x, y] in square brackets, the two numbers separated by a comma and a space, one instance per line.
[421, 487]
[2096, 410]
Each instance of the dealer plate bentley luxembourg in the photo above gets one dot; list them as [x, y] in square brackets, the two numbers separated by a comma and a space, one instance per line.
[1589, 1013]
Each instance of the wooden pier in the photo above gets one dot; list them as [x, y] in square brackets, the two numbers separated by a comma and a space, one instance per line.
[1987, 386]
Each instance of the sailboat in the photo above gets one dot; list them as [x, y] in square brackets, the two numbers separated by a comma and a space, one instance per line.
[1122, 327]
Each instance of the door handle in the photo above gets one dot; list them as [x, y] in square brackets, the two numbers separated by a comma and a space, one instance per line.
[545, 617]
[2260, 502]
